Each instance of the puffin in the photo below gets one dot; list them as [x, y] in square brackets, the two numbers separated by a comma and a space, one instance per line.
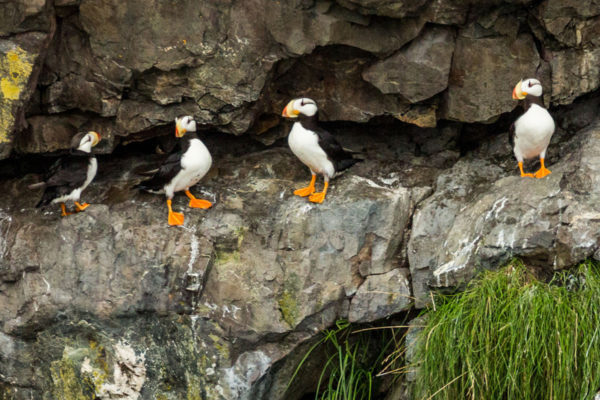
[70, 175]
[315, 147]
[530, 134]
[189, 161]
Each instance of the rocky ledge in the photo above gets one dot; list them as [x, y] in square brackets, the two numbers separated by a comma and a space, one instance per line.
[112, 302]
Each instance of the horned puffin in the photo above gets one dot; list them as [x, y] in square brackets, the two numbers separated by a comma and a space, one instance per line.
[70, 175]
[189, 161]
[315, 147]
[530, 134]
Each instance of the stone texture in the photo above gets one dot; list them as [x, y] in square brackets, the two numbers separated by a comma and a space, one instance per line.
[418, 72]
[482, 69]
[103, 287]
[574, 72]
[381, 296]
[483, 218]
[18, 57]
[301, 29]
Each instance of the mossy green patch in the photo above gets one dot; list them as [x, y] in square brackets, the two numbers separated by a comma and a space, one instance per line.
[67, 384]
[289, 308]
[225, 257]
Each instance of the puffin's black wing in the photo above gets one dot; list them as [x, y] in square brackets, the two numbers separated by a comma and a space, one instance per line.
[511, 135]
[65, 175]
[167, 171]
[68, 171]
[341, 158]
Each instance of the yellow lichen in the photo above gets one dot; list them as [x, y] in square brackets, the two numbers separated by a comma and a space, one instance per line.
[15, 70]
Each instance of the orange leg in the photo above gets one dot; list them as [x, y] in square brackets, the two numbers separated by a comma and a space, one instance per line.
[543, 171]
[64, 210]
[523, 174]
[81, 207]
[197, 203]
[174, 218]
[319, 197]
[307, 191]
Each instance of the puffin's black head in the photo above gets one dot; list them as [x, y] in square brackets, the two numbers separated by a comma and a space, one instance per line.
[84, 141]
[184, 124]
[304, 106]
[530, 86]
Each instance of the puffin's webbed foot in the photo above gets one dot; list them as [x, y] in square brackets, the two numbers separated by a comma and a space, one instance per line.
[64, 210]
[197, 203]
[307, 191]
[523, 174]
[175, 218]
[543, 171]
[80, 207]
[319, 197]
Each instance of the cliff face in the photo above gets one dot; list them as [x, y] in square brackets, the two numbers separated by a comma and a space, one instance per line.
[112, 303]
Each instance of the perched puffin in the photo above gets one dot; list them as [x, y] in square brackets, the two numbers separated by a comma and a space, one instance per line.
[315, 147]
[530, 134]
[183, 168]
[70, 175]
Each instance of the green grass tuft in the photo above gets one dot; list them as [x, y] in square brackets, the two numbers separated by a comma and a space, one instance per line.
[352, 362]
[510, 336]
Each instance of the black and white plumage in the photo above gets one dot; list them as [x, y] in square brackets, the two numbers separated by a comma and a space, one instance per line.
[189, 161]
[530, 134]
[315, 147]
[70, 175]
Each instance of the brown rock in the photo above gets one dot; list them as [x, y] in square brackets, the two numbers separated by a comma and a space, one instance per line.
[483, 74]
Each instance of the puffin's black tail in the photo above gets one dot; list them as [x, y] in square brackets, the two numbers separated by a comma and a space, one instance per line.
[47, 197]
[346, 163]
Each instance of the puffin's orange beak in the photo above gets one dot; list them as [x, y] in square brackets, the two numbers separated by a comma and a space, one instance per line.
[96, 139]
[289, 111]
[518, 93]
[179, 132]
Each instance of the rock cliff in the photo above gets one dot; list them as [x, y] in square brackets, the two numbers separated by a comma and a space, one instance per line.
[112, 303]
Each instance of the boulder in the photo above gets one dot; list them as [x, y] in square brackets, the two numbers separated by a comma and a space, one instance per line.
[419, 71]
[482, 70]
[481, 217]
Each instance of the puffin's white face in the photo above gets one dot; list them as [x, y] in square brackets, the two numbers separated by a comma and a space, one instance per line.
[184, 124]
[88, 141]
[303, 106]
[528, 86]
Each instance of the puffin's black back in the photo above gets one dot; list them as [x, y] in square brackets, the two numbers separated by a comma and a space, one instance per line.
[170, 167]
[65, 175]
[340, 158]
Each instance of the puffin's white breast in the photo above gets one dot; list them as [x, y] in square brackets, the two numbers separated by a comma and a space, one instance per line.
[195, 163]
[305, 145]
[533, 131]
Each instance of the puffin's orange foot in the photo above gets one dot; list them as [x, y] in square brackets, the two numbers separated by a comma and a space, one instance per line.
[199, 203]
[64, 212]
[175, 218]
[317, 197]
[542, 172]
[303, 192]
[524, 175]
[81, 207]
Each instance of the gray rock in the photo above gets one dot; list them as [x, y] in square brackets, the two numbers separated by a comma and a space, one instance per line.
[418, 72]
[230, 279]
[381, 296]
[483, 69]
[479, 220]
[574, 72]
